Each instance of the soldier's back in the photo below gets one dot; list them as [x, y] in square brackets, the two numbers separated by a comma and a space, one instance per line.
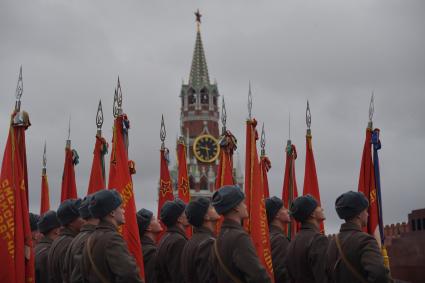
[279, 245]
[41, 252]
[72, 264]
[238, 255]
[56, 256]
[168, 268]
[105, 257]
[195, 257]
[361, 251]
[149, 250]
[306, 252]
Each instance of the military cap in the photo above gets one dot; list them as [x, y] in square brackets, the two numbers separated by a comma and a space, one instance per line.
[273, 205]
[104, 202]
[48, 221]
[34, 218]
[84, 208]
[302, 207]
[350, 204]
[196, 210]
[171, 211]
[68, 211]
[144, 218]
[227, 198]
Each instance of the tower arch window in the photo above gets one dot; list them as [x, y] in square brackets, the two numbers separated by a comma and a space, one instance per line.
[192, 96]
[215, 100]
[204, 96]
[204, 183]
[191, 182]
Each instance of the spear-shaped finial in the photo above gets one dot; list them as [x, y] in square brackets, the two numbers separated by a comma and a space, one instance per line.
[308, 117]
[289, 123]
[162, 132]
[263, 141]
[19, 91]
[223, 115]
[115, 104]
[68, 141]
[44, 159]
[371, 110]
[99, 118]
[249, 101]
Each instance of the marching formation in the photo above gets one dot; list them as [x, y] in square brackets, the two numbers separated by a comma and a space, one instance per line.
[236, 236]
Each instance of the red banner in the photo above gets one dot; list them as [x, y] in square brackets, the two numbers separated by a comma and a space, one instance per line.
[311, 184]
[16, 251]
[257, 223]
[368, 188]
[165, 186]
[225, 164]
[69, 187]
[183, 188]
[290, 191]
[97, 175]
[265, 166]
[120, 180]
[45, 199]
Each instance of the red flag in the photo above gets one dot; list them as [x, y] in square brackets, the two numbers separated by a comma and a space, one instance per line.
[257, 223]
[165, 186]
[97, 175]
[265, 166]
[290, 191]
[120, 180]
[45, 199]
[311, 185]
[16, 251]
[225, 165]
[368, 188]
[183, 180]
[69, 187]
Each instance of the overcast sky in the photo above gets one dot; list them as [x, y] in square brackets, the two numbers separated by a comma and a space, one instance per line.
[333, 53]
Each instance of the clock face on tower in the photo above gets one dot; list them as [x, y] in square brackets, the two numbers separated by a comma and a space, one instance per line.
[206, 148]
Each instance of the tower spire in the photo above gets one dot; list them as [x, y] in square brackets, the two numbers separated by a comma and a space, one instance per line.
[199, 71]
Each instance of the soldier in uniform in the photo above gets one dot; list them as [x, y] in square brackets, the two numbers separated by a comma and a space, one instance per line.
[196, 253]
[35, 233]
[233, 255]
[168, 268]
[49, 226]
[105, 256]
[149, 229]
[71, 222]
[72, 268]
[278, 217]
[305, 256]
[359, 259]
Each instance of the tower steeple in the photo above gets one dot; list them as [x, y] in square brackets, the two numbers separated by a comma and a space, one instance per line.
[199, 71]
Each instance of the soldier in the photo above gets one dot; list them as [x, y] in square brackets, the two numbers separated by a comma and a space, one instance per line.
[168, 268]
[49, 226]
[71, 222]
[105, 256]
[149, 229]
[196, 253]
[278, 217]
[354, 256]
[233, 257]
[72, 268]
[305, 257]
[35, 233]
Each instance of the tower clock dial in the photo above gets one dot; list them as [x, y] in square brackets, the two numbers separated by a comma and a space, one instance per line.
[206, 148]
